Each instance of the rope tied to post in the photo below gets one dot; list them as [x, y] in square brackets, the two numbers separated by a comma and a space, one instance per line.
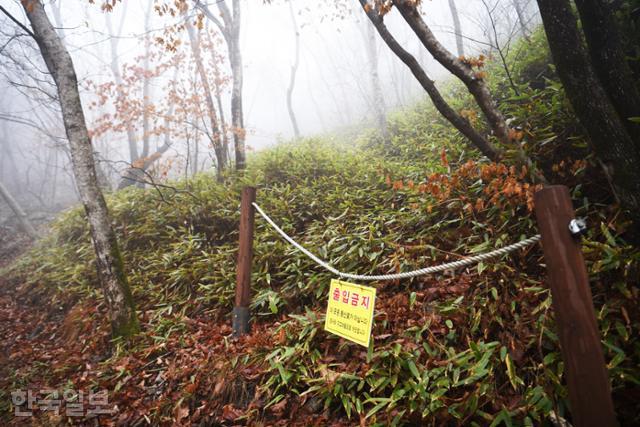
[405, 275]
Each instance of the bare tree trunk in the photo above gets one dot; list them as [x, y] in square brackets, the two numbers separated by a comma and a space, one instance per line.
[130, 176]
[496, 40]
[521, 19]
[292, 78]
[235, 59]
[474, 83]
[609, 61]
[217, 78]
[146, 83]
[476, 86]
[219, 149]
[25, 224]
[223, 123]
[457, 28]
[135, 174]
[108, 257]
[187, 161]
[196, 152]
[460, 123]
[609, 138]
[7, 153]
[230, 29]
[378, 98]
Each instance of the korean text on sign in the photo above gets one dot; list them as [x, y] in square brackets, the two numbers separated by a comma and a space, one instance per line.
[350, 311]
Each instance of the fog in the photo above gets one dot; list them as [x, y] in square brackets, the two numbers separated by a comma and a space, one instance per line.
[332, 89]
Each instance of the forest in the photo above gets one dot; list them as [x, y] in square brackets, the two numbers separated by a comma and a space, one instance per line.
[340, 213]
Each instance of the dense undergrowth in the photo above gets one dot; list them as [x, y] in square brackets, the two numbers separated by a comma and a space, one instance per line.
[471, 347]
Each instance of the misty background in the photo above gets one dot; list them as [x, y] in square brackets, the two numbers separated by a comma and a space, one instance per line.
[332, 92]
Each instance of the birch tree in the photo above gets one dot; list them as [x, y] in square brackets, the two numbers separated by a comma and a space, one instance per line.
[215, 134]
[229, 26]
[218, 80]
[109, 262]
[294, 69]
[457, 28]
[379, 107]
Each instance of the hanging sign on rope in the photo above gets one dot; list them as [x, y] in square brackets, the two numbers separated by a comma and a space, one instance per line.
[350, 311]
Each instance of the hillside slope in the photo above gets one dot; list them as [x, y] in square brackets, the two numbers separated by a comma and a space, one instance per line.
[471, 347]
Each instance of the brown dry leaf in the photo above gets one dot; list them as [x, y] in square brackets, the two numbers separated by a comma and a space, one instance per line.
[181, 413]
[229, 412]
[218, 388]
[282, 336]
[278, 408]
[329, 375]
[190, 388]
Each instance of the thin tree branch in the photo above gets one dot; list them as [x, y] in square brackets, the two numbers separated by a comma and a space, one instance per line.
[495, 36]
[18, 23]
[207, 12]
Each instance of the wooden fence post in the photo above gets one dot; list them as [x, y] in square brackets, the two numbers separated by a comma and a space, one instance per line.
[245, 255]
[585, 370]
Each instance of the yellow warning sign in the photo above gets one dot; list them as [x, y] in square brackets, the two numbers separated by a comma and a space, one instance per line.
[350, 311]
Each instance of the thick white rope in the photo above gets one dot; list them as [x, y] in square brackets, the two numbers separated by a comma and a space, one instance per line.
[428, 270]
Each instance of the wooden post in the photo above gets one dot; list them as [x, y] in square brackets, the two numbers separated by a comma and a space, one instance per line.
[245, 255]
[587, 377]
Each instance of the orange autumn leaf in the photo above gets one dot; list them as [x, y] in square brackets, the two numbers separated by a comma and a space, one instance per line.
[443, 158]
[480, 75]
